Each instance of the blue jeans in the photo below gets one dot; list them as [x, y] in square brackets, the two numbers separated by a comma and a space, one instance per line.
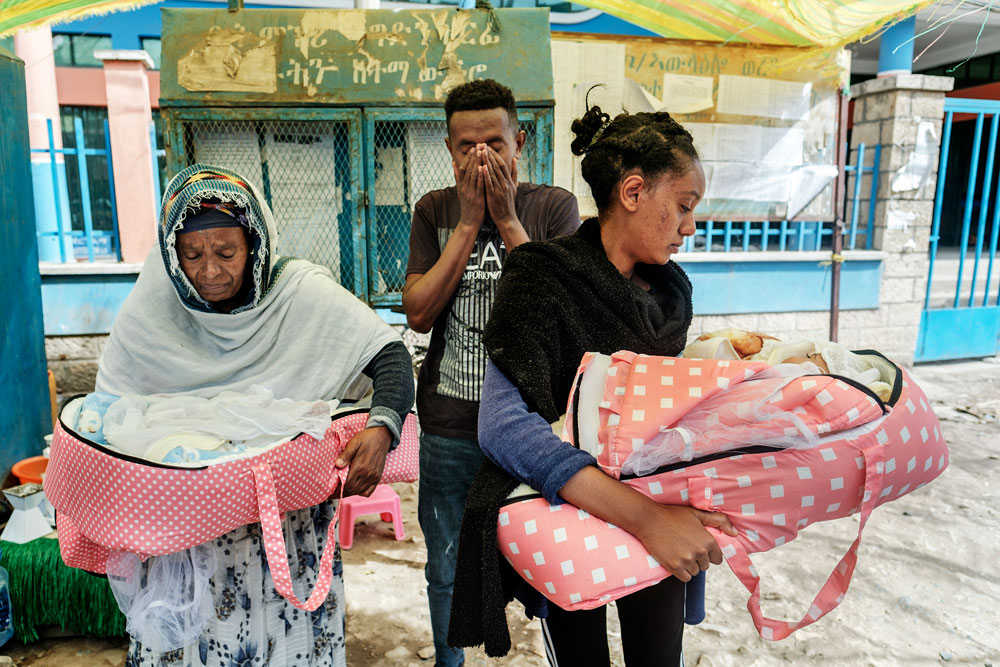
[447, 468]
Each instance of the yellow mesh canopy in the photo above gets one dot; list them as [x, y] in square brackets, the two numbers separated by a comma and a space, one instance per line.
[809, 23]
[20, 14]
[824, 23]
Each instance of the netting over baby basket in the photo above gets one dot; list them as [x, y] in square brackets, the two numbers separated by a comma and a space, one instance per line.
[830, 448]
[109, 502]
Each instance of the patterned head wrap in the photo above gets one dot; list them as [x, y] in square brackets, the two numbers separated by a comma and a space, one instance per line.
[188, 194]
[213, 216]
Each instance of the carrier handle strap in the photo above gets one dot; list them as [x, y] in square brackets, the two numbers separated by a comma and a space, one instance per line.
[274, 540]
[832, 593]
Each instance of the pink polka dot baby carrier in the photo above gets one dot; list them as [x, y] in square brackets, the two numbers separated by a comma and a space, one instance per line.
[107, 501]
[854, 454]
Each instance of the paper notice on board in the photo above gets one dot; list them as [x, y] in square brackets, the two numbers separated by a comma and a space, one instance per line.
[428, 162]
[302, 219]
[654, 103]
[636, 99]
[231, 147]
[390, 180]
[687, 94]
[703, 137]
[768, 98]
[748, 143]
[920, 163]
[574, 64]
[742, 180]
[784, 145]
[807, 182]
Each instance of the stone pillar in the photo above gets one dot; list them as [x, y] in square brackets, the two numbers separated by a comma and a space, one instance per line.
[34, 47]
[129, 120]
[903, 115]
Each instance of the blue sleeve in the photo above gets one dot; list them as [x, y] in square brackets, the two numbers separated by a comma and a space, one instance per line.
[522, 442]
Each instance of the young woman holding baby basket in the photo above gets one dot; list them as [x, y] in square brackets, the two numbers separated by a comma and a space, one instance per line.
[764, 445]
[610, 286]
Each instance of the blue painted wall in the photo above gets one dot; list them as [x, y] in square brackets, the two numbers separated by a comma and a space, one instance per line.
[87, 304]
[77, 305]
[723, 288]
[24, 396]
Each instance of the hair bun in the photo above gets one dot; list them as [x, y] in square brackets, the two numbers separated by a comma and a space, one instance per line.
[586, 129]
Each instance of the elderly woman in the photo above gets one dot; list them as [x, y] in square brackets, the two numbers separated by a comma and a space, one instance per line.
[610, 286]
[222, 311]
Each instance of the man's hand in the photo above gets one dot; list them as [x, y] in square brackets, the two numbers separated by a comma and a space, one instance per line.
[501, 188]
[365, 453]
[471, 190]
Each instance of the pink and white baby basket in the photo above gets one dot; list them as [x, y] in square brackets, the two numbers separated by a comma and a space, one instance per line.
[107, 501]
[854, 453]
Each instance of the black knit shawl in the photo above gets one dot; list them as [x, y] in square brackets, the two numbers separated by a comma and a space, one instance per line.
[556, 300]
[562, 298]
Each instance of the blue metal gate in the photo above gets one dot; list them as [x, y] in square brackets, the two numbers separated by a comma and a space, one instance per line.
[961, 317]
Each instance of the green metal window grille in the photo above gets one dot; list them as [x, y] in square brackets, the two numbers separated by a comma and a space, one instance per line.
[342, 183]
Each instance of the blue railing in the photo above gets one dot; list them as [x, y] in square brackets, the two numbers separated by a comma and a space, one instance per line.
[795, 235]
[981, 109]
[90, 237]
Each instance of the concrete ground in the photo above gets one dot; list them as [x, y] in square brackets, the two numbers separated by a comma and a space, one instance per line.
[925, 592]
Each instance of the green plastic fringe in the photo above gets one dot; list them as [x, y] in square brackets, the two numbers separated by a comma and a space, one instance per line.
[493, 21]
[44, 591]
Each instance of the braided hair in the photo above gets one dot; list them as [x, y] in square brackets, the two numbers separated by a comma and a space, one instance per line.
[654, 143]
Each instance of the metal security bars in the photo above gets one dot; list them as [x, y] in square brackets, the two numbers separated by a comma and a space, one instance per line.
[341, 182]
[963, 283]
[405, 158]
[307, 165]
[800, 235]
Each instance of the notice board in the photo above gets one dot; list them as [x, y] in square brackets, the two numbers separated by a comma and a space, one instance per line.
[764, 119]
[350, 56]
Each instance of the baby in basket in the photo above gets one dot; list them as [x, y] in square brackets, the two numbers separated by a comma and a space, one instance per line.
[192, 430]
[830, 358]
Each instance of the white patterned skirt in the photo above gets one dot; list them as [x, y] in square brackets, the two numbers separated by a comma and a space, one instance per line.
[253, 625]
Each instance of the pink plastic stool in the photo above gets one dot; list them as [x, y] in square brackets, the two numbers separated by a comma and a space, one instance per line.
[384, 501]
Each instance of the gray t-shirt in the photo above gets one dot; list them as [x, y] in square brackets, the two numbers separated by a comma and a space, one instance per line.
[450, 380]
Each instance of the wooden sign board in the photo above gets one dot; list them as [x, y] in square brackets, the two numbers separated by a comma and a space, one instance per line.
[350, 56]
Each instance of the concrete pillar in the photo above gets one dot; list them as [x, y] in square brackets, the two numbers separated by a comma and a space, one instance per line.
[895, 48]
[51, 196]
[895, 112]
[129, 120]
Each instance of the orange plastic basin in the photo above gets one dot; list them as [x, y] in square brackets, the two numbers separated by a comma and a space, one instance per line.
[31, 469]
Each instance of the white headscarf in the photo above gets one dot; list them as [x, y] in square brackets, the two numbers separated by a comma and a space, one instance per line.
[301, 334]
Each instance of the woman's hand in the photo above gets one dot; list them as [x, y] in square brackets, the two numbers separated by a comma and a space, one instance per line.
[365, 453]
[676, 537]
